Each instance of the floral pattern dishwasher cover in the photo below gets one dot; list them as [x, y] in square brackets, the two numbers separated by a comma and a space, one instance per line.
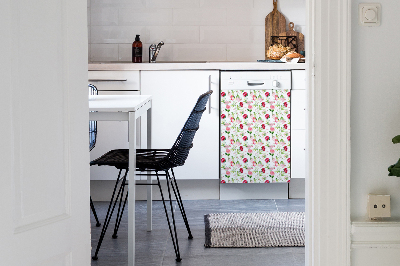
[255, 136]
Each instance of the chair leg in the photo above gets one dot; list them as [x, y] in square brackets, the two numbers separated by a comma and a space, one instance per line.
[109, 213]
[120, 211]
[94, 213]
[180, 203]
[174, 239]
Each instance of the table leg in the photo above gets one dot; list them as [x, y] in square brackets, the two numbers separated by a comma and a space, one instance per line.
[149, 178]
[132, 190]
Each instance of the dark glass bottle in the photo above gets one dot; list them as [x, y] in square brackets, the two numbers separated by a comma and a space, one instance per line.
[137, 50]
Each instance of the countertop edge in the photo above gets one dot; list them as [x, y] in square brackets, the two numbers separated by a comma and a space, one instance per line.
[194, 66]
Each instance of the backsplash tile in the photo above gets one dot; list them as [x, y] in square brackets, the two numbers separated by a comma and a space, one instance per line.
[103, 52]
[199, 16]
[224, 34]
[250, 52]
[173, 34]
[115, 34]
[192, 30]
[199, 52]
[246, 17]
[172, 3]
[105, 16]
[145, 17]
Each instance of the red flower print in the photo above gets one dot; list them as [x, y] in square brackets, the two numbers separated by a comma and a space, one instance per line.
[245, 160]
[244, 138]
[223, 160]
[223, 94]
[263, 170]
[266, 181]
[288, 160]
[241, 104]
[241, 170]
[263, 148]
[241, 126]
[267, 160]
[244, 116]
[222, 181]
[267, 94]
[267, 116]
[285, 126]
[244, 94]
[285, 170]
[263, 104]
[244, 181]
[241, 148]
[223, 116]
[288, 116]
[223, 138]
[285, 104]
[285, 148]
[288, 138]
[267, 138]
[263, 126]
[288, 181]
[288, 94]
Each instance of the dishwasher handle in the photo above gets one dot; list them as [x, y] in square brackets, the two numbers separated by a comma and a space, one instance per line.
[259, 83]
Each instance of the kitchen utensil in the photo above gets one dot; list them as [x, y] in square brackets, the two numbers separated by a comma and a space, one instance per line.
[292, 32]
[275, 23]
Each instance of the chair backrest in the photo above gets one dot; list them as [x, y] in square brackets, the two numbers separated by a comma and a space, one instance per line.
[180, 150]
[92, 124]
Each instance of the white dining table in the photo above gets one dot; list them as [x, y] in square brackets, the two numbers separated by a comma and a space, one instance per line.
[127, 108]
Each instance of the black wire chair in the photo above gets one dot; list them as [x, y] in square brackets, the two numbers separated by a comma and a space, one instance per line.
[154, 160]
[92, 143]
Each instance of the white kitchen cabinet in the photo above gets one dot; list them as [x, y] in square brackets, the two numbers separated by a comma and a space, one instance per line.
[298, 153]
[298, 123]
[112, 134]
[298, 111]
[174, 96]
[298, 79]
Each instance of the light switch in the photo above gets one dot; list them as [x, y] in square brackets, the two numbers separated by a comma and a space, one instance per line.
[369, 14]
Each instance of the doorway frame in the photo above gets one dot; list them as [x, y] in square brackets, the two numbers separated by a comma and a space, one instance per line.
[328, 224]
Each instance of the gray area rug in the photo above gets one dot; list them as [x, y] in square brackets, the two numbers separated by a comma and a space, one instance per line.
[239, 230]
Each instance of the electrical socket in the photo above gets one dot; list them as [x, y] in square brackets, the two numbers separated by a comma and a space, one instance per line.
[378, 206]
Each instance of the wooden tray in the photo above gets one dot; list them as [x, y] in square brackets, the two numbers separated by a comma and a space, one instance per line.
[299, 37]
[275, 23]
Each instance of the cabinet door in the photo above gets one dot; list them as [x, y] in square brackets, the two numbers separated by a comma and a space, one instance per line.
[174, 96]
[298, 112]
[298, 153]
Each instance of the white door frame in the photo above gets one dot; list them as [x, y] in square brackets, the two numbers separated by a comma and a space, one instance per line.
[328, 141]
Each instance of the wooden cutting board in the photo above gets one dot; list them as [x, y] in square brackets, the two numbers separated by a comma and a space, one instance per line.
[292, 32]
[275, 23]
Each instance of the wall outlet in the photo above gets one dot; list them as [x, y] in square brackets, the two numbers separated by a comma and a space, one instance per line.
[378, 206]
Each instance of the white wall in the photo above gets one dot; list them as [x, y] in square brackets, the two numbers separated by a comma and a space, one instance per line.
[375, 108]
[375, 120]
[193, 30]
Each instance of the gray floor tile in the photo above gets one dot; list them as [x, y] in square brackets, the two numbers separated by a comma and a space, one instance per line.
[155, 248]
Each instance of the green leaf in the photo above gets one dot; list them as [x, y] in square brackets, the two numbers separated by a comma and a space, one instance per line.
[396, 139]
[394, 170]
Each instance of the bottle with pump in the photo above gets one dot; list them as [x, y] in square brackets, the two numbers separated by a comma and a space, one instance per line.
[137, 50]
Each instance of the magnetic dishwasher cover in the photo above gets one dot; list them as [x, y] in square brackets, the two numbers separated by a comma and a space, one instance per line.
[255, 126]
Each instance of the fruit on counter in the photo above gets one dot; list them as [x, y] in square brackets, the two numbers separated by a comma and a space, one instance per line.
[277, 51]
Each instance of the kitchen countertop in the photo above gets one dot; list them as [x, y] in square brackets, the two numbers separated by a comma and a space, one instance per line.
[195, 66]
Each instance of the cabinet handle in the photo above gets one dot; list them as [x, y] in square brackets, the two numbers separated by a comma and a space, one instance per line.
[100, 80]
[209, 99]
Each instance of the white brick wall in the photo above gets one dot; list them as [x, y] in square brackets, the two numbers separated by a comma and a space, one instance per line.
[192, 30]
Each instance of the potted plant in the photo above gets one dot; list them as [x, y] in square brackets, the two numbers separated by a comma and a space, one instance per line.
[394, 170]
